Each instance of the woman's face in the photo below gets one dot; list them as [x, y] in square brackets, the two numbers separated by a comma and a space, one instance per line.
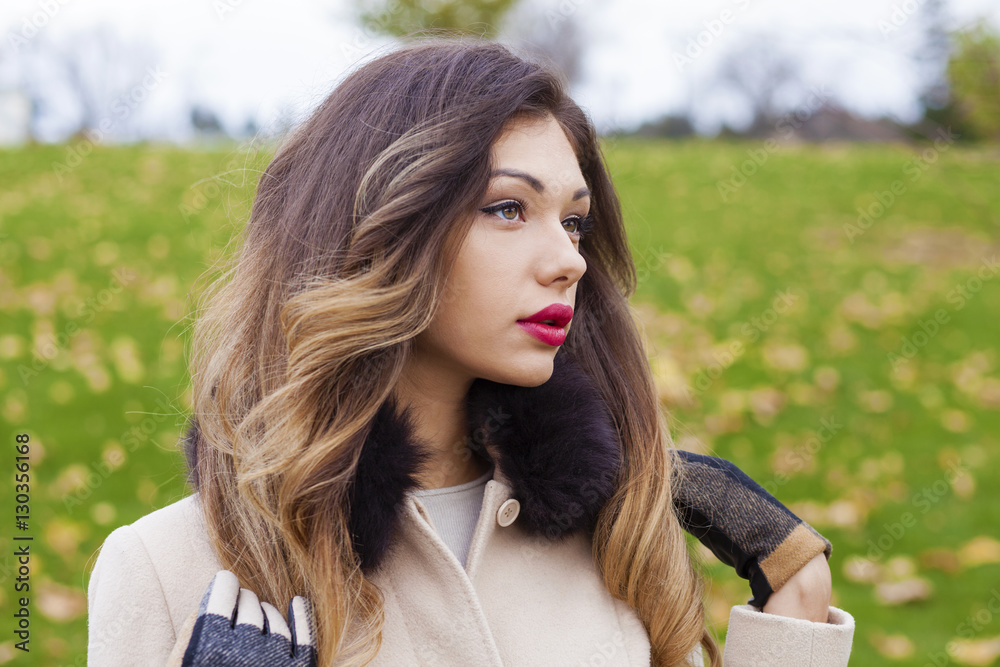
[522, 255]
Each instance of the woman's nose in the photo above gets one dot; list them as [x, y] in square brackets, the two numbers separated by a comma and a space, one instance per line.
[561, 254]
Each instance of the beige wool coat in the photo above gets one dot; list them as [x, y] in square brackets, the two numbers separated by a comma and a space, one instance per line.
[520, 601]
[529, 592]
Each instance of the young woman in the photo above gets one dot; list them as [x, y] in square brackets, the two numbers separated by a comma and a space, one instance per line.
[423, 404]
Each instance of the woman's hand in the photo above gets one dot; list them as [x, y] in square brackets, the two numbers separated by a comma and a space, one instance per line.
[806, 595]
[235, 629]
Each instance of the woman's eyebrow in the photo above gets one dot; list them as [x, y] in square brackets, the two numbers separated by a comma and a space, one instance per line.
[534, 182]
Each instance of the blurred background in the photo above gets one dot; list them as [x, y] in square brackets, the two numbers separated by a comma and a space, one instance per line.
[813, 200]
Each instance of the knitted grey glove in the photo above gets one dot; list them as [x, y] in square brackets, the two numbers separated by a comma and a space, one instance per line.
[742, 524]
[235, 629]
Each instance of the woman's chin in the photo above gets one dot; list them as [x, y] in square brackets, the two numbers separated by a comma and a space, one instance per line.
[528, 370]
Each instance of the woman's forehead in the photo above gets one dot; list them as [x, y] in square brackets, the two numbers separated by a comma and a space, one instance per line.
[537, 152]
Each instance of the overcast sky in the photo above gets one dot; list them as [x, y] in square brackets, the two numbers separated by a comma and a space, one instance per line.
[643, 58]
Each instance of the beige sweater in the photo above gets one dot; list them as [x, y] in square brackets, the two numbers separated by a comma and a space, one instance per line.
[519, 601]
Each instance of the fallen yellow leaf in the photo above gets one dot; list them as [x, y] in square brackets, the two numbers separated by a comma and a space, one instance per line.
[941, 559]
[980, 550]
[894, 647]
[975, 651]
[901, 592]
[862, 570]
[61, 603]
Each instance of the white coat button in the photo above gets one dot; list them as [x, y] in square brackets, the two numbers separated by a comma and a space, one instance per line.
[508, 512]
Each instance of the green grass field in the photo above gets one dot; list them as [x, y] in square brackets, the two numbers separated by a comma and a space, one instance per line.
[850, 366]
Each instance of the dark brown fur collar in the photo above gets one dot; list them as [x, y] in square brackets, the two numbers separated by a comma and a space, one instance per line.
[555, 445]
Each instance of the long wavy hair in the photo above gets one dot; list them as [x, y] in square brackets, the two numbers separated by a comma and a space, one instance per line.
[353, 228]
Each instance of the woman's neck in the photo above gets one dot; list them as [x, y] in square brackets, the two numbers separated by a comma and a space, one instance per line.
[438, 411]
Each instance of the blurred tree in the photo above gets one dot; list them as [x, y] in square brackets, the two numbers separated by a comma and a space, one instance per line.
[402, 17]
[205, 121]
[26, 78]
[931, 52]
[87, 83]
[767, 77]
[551, 31]
[974, 77]
[670, 125]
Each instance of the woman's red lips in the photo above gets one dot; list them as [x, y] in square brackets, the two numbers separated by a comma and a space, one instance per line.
[547, 325]
[559, 314]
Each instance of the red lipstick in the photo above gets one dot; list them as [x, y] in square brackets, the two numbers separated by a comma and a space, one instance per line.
[548, 324]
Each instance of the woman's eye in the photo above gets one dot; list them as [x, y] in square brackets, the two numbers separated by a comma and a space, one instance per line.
[583, 225]
[508, 210]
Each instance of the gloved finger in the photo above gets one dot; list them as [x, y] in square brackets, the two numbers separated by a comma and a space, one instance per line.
[248, 611]
[215, 615]
[221, 596]
[275, 623]
[300, 618]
